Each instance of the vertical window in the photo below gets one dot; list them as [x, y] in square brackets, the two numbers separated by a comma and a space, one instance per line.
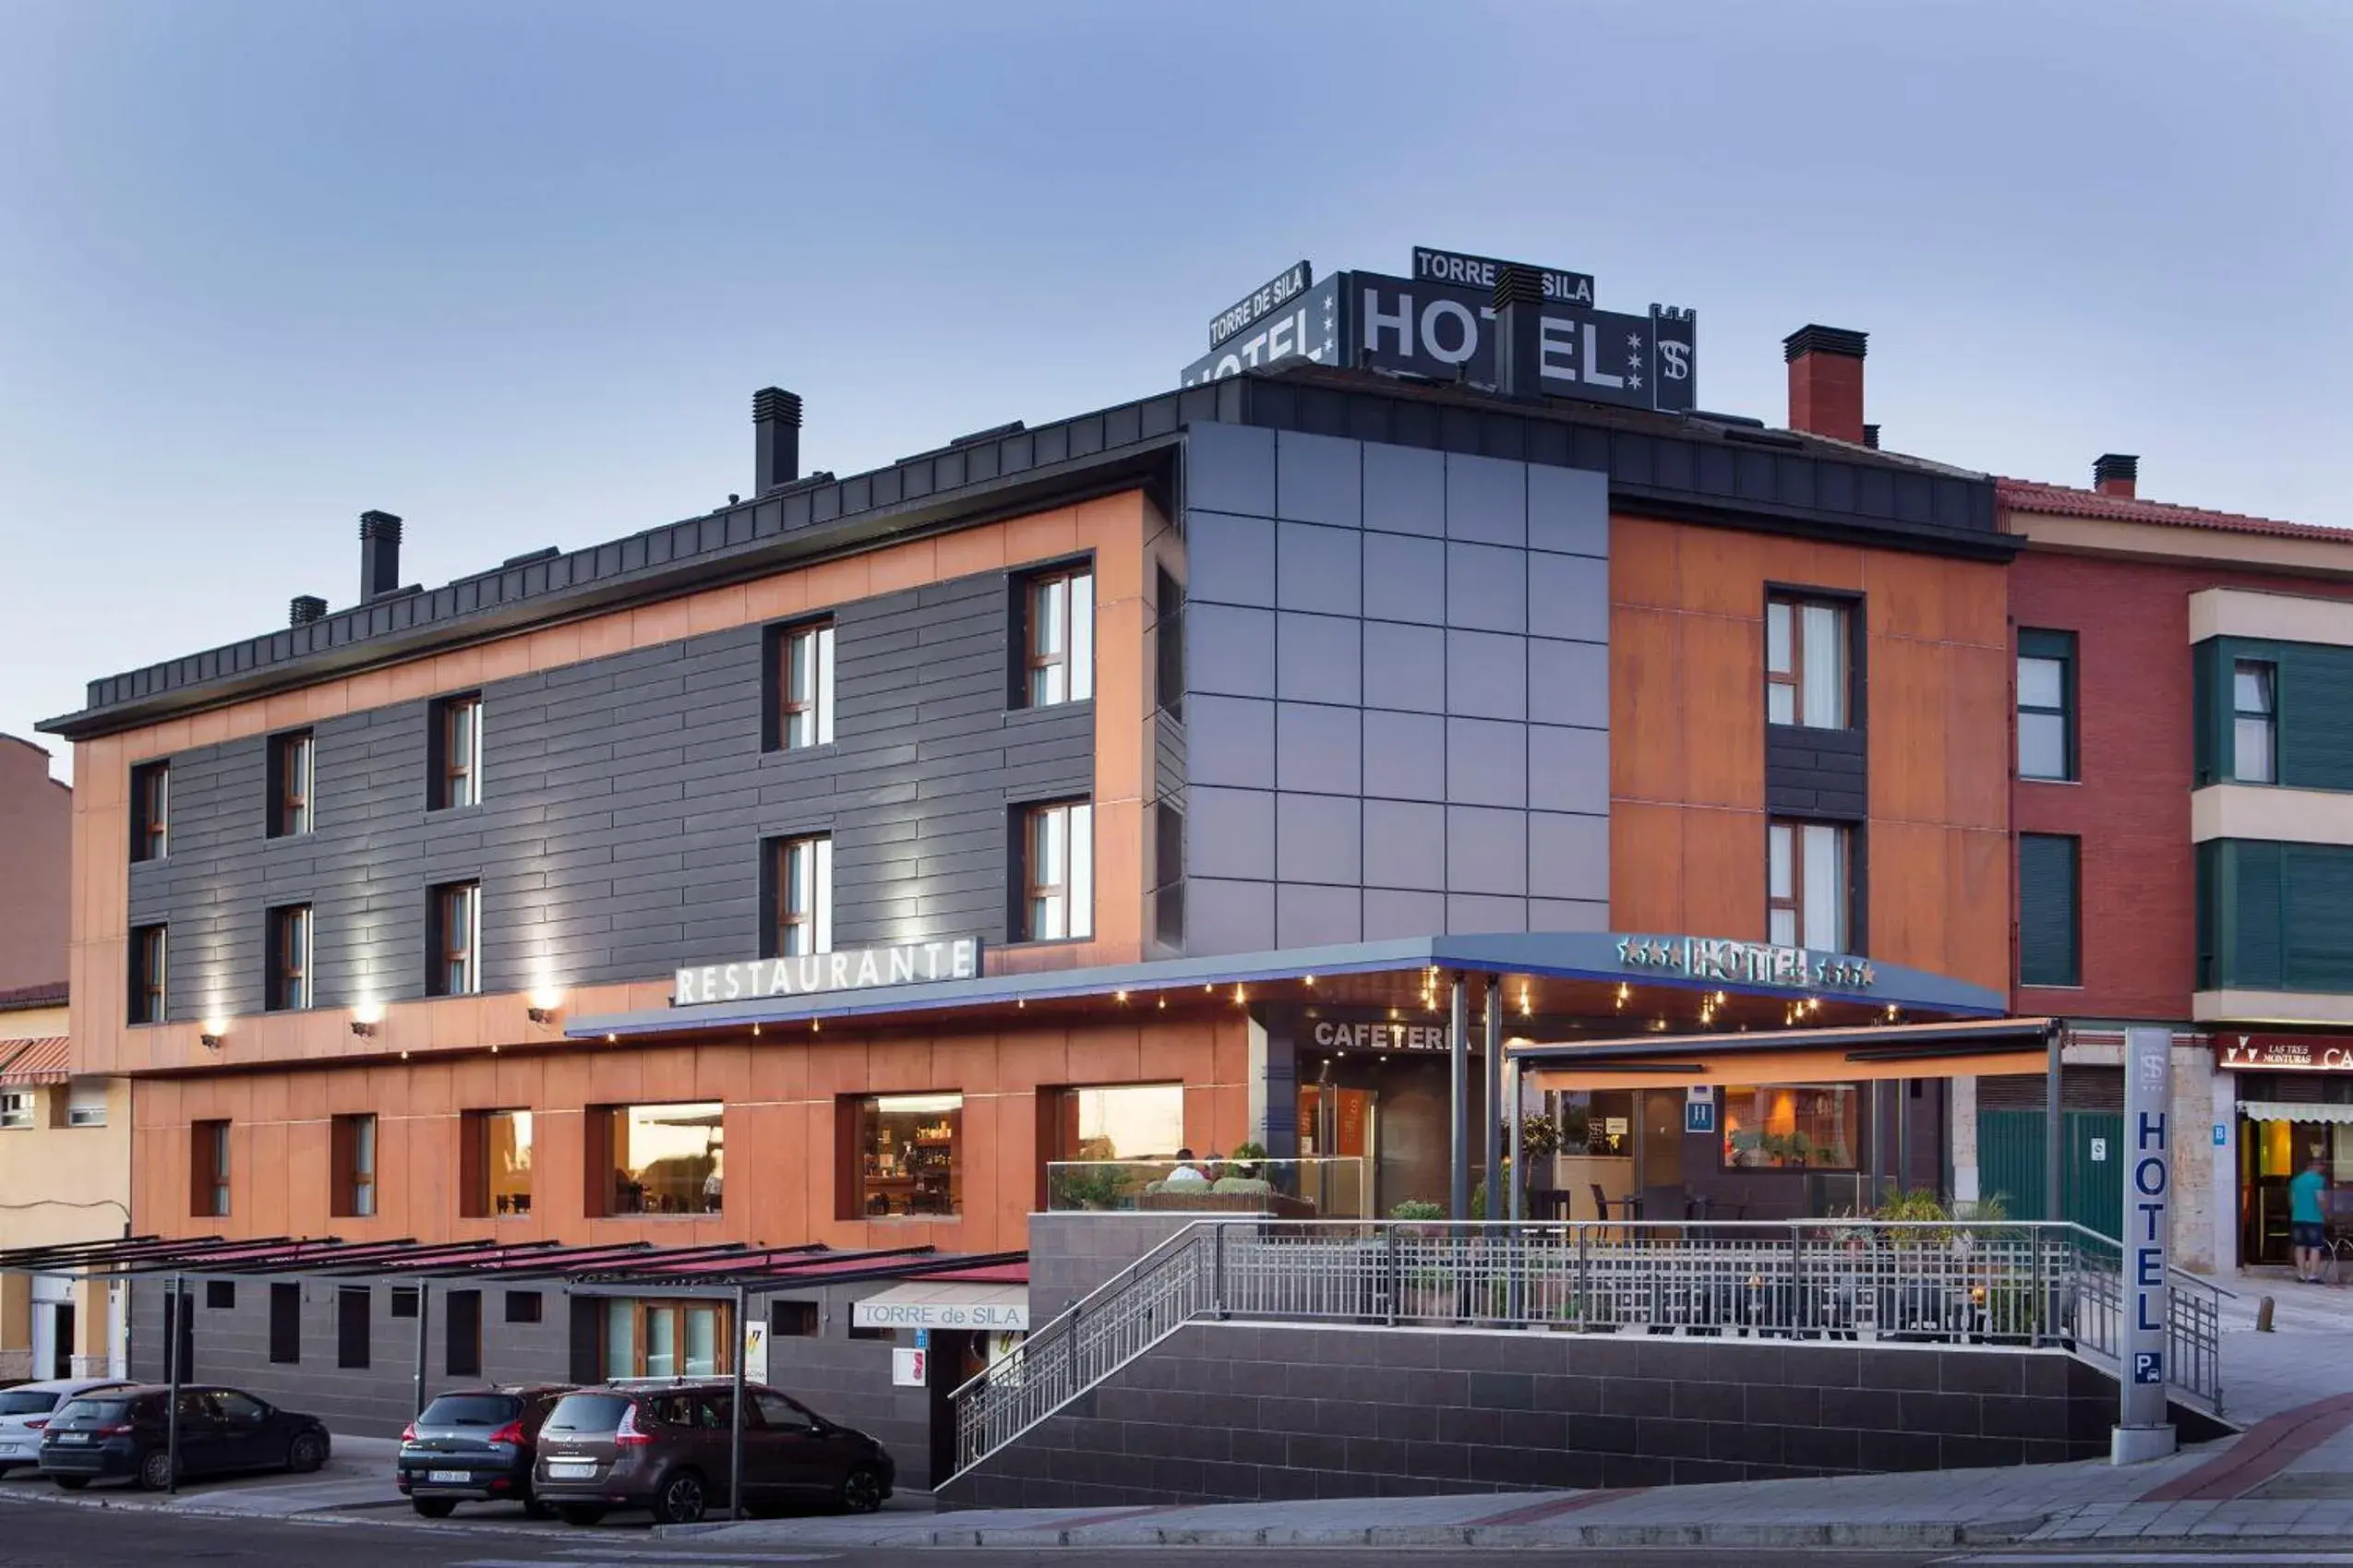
[1059, 638]
[455, 759]
[909, 1156]
[1805, 664]
[289, 958]
[2046, 705]
[1167, 648]
[2254, 713]
[209, 1169]
[290, 770]
[1057, 871]
[2049, 910]
[352, 1141]
[462, 1323]
[147, 974]
[1808, 887]
[151, 811]
[285, 1324]
[453, 939]
[352, 1312]
[664, 1159]
[495, 1178]
[800, 896]
[801, 676]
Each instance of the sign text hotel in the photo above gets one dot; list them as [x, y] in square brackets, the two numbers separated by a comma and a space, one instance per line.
[1746, 963]
[855, 969]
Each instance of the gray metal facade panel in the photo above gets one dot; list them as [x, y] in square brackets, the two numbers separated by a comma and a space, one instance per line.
[625, 801]
[1405, 686]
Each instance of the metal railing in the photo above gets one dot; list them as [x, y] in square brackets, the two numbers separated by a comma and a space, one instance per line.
[1890, 1282]
[1331, 1187]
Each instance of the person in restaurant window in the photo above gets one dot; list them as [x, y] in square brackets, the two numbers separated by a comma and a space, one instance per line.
[1186, 1173]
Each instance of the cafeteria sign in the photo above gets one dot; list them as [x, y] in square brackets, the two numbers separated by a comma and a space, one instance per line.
[1746, 963]
[813, 974]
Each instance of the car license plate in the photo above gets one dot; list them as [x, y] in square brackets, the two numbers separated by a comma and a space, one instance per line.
[73, 1437]
[449, 1478]
[571, 1469]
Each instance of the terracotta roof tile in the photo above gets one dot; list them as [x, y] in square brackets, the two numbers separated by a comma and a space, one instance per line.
[2062, 500]
[51, 994]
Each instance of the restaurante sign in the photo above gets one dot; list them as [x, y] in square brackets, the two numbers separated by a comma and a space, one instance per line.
[1746, 963]
[907, 964]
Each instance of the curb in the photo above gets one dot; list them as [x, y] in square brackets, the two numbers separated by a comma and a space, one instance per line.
[1938, 1533]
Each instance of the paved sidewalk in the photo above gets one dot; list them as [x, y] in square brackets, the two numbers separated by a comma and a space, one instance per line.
[359, 1475]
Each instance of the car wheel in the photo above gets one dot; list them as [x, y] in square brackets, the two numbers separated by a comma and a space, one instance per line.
[433, 1507]
[305, 1453]
[681, 1501]
[155, 1470]
[579, 1514]
[861, 1490]
[71, 1483]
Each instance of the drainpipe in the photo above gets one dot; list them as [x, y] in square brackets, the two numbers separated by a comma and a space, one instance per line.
[1494, 1205]
[1459, 1079]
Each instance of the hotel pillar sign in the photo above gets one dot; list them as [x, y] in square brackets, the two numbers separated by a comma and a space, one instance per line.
[2142, 1431]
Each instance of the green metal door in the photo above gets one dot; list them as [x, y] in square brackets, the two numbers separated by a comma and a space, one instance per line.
[2010, 1164]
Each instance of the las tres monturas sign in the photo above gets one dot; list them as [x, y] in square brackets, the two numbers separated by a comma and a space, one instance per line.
[852, 969]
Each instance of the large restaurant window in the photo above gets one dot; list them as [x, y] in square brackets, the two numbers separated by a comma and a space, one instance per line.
[907, 1156]
[453, 939]
[665, 1159]
[290, 770]
[209, 1169]
[289, 936]
[1809, 888]
[455, 745]
[1058, 638]
[2254, 721]
[800, 679]
[151, 811]
[1119, 1122]
[1791, 1126]
[2046, 705]
[149, 951]
[2049, 909]
[665, 1339]
[1806, 660]
[353, 1149]
[800, 877]
[1057, 871]
[495, 1164]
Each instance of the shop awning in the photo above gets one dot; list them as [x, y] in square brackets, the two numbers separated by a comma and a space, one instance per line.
[1969, 1047]
[991, 1309]
[45, 1061]
[2281, 1111]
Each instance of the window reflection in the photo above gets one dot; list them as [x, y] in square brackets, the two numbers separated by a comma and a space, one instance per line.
[666, 1159]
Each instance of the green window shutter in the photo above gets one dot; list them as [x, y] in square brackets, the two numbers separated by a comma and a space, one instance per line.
[2209, 916]
[2048, 920]
[2315, 697]
[2254, 953]
[2319, 918]
[2206, 688]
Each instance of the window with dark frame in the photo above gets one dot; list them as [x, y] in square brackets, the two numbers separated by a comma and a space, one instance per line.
[2051, 926]
[800, 896]
[351, 1141]
[289, 785]
[1057, 871]
[461, 1332]
[456, 759]
[151, 811]
[1168, 642]
[289, 959]
[1057, 637]
[453, 939]
[403, 1302]
[2046, 705]
[2254, 721]
[1810, 885]
[524, 1305]
[495, 1164]
[794, 1319]
[209, 1169]
[1806, 676]
[221, 1295]
[802, 678]
[352, 1313]
[285, 1324]
[148, 974]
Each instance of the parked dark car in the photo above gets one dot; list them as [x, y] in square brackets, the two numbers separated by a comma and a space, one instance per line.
[122, 1432]
[665, 1448]
[475, 1445]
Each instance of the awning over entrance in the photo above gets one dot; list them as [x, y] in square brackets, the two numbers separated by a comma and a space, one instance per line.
[989, 1309]
[2282, 1110]
[1786, 1056]
[45, 1061]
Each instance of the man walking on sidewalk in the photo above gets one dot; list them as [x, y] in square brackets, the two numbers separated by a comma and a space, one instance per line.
[2306, 1226]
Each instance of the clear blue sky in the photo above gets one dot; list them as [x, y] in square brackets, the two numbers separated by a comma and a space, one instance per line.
[512, 271]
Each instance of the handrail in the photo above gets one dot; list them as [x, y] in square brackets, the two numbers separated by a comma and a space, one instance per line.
[2033, 1283]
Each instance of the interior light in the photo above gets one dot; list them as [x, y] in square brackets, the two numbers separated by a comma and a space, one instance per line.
[1311, 980]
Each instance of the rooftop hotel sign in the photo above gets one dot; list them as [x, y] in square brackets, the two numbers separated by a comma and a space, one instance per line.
[814, 974]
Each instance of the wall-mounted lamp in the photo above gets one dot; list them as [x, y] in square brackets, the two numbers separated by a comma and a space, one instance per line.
[364, 1031]
[543, 1015]
[212, 1042]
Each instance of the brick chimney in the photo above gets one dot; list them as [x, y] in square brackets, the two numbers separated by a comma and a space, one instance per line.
[1826, 381]
[2116, 473]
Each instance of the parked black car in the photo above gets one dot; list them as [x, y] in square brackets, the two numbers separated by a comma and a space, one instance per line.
[122, 1432]
[665, 1448]
[475, 1445]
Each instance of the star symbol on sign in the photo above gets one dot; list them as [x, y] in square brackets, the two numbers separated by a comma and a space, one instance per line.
[1634, 342]
[1634, 380]
[1660, 952]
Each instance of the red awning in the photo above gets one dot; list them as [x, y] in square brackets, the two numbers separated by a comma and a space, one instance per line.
[46, 1060]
